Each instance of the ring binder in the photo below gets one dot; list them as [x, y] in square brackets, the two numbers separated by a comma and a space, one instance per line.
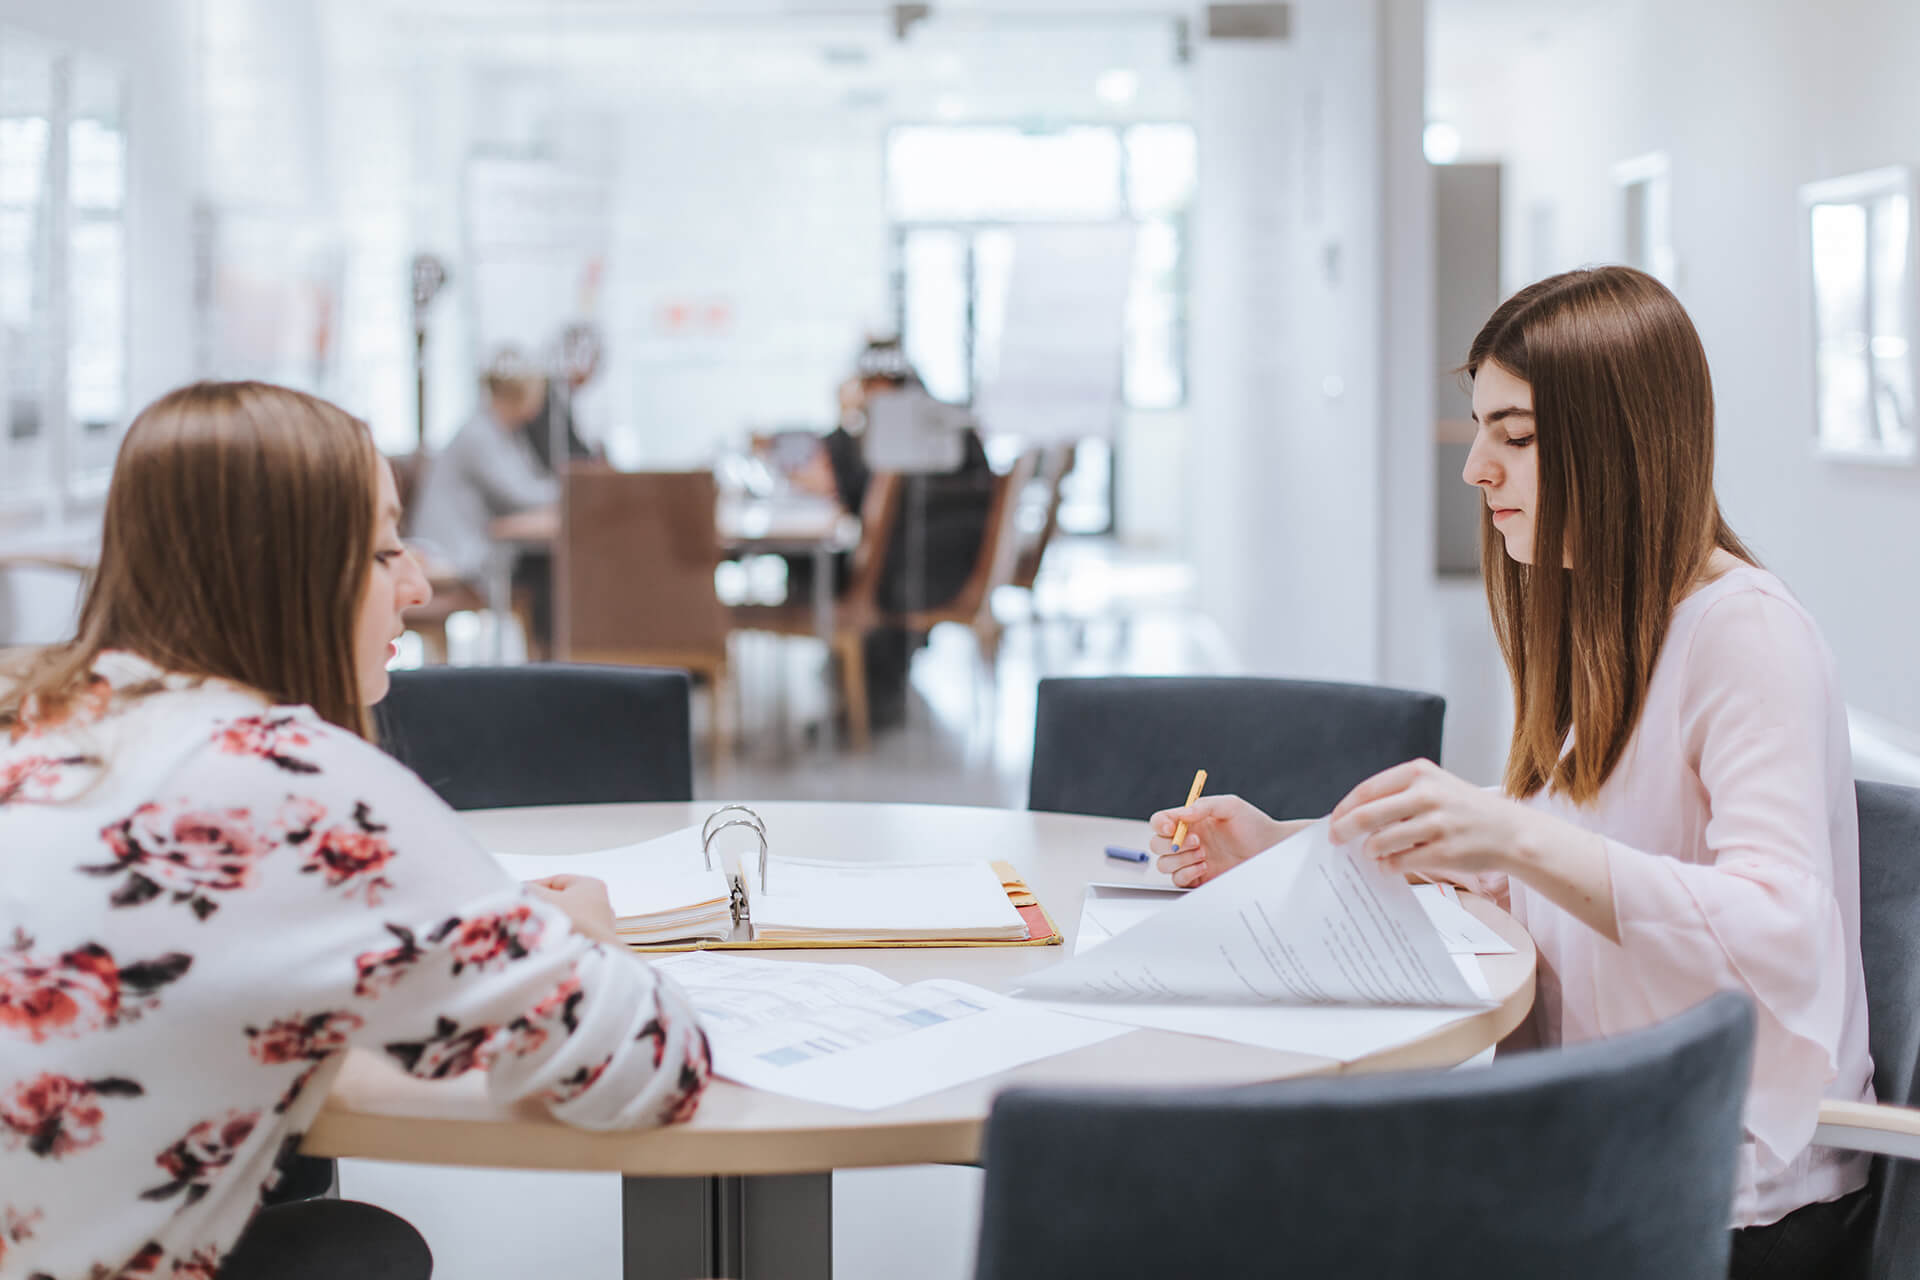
[754, 825]
[664, 895]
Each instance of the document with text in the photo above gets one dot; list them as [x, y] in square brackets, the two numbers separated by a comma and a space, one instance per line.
[845, 1035]
[1307, 923]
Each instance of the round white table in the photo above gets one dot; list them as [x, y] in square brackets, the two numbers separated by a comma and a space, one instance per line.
[744, 1189]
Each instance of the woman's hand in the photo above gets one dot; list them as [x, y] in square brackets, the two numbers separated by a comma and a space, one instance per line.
[585, 901]
[1418, 819]
[1222, 833]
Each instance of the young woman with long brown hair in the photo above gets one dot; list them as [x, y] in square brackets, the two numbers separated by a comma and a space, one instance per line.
[1677, 815]
[212, 884]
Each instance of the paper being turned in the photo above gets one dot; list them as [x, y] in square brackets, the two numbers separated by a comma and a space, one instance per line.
[1307, 922]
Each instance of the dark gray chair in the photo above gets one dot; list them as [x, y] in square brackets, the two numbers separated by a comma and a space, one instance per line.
[1125, 746]
[1608, 1159]
[1890, 952]
[549, 733]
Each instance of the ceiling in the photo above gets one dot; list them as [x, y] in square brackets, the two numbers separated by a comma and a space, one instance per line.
[971, 60]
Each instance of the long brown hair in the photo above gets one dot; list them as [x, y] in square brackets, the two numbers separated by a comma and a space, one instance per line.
[237, 545]
[1623, 422]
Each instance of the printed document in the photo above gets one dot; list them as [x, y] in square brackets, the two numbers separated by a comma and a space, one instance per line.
[1219, 926]
[1305, 923]
[845, 1035]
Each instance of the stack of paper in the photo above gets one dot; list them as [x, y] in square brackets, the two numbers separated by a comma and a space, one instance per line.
[662, 892]
[807, 900]
[660, 889]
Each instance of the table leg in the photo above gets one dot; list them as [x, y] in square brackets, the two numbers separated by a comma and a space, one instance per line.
[760, 1228]
[823, 624]
[500, 597]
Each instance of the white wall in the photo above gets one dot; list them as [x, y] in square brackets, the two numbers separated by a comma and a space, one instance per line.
[1312, 346]
[779, 216]
[1749, 101]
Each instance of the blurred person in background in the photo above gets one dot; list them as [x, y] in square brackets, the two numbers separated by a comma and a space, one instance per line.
[936, 538]
[580, 351]
[489, 470]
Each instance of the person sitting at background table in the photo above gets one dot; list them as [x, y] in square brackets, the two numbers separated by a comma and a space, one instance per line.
[1677, 815]
[580, 359]
[489, 470]
[943, 517]
[214, 884]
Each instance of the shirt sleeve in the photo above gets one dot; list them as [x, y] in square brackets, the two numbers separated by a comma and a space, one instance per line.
[502, 468]
[1759, 915]
[412, 942]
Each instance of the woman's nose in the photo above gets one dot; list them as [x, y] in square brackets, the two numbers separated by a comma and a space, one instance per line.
[415, 589]
[1480, 468]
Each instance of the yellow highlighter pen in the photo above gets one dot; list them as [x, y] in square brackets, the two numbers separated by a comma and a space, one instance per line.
[1180, 831]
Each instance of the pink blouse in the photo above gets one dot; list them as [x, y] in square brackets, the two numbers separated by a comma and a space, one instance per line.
[1733, 846]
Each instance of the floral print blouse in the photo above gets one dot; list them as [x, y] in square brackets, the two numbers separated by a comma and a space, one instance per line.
[205, 900]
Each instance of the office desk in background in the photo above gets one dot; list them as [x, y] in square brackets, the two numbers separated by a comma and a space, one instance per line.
[745, 1189]
[796, 526]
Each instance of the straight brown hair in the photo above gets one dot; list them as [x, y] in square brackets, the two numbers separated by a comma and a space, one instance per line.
[237, 545]
[1623, 427]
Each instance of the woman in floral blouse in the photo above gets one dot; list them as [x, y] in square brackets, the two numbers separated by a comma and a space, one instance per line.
[212, 883]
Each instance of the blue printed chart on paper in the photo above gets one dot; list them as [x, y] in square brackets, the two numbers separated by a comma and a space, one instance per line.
[845, 1035]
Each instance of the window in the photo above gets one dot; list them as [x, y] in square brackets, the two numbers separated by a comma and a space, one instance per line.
[957, 195]
[1860, 237]
[63, 272]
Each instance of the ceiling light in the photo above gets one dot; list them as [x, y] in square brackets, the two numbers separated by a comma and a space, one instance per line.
[1117, 87]
[1441, 142]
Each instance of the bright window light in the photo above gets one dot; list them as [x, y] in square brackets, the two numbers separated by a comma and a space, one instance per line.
[1117, 87]
[1441, 142]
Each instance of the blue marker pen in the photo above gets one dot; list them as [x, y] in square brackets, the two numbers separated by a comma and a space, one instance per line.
[1126, 855]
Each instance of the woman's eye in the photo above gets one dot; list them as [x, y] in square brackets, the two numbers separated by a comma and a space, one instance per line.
[388, 557]
[1519, 442]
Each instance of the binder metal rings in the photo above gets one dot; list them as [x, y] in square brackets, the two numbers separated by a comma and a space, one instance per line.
[708, 833]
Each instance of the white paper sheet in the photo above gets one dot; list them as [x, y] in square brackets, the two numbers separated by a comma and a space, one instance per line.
[1343, 1033]
[652, 876]
[660, 889]
[807, 898]
[847, 1036]
[1109, 910]
[1464, 933]
[1305, 923]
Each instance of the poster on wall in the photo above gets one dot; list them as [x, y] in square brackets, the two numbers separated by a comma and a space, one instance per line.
[1056, 374]
[537, 239]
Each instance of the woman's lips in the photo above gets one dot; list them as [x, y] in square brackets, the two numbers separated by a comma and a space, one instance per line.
[1501, 513]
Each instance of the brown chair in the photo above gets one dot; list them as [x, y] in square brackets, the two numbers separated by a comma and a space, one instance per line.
[633, 576]
[972, 605]
[1056, 463]
[856, 609]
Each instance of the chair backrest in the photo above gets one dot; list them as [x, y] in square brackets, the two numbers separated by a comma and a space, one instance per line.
[999, 545]
[634, 568]
[879, 512]
[1055, 465]
[1608, 1159]
[503, 737]
[1890, 952]
[1124, 746]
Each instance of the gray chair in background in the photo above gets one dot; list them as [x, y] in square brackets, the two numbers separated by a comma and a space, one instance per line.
[1890, 950]
[550, 733]
[1609, 1159]
[1124, 746]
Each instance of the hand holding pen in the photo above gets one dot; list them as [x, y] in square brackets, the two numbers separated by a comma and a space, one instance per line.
[1221, 832]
